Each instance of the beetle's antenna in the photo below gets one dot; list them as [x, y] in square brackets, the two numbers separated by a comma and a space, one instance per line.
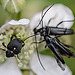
[30, 36]
[42, 19]
[38, 53]
[44, 15]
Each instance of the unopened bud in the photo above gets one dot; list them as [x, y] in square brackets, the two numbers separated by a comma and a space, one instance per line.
[13, 6]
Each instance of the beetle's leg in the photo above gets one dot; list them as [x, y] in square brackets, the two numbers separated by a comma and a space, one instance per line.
[54, 50]
[18, 57]
[13, 36]
[64, 21]
[50, 20]
[65, 30]
[68, 46]
[63, 49]
[4, 45]
[56, 36]
[2, 49]
[23, 44]
[46, 45]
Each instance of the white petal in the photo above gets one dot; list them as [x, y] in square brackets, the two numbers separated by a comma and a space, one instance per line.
[20, 22]
[10, 67]
[35, 20]
[13, 22]
[59, 12]
[50, 65]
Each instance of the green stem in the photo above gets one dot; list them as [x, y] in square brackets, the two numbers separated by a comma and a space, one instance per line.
[16, 16]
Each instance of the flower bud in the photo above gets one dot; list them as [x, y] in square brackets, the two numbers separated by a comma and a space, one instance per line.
[13, 6]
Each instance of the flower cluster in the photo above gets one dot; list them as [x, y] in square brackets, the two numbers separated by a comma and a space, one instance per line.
[22, 32]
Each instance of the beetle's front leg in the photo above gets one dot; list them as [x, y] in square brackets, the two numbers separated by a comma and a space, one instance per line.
[13, 36]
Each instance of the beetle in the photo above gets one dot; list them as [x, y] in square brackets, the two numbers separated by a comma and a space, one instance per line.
[54, 44]
[14, 46]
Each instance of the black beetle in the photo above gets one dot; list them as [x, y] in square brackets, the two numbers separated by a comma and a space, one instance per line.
[14, 46]
[54, 44]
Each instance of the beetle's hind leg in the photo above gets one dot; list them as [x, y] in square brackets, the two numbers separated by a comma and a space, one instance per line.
[63, 49]
[68, 46]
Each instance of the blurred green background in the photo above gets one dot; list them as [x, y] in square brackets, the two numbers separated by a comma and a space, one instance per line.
[33, 6]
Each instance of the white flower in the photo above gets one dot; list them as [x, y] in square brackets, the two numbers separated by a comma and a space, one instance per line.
[58, 13]
[10, 67]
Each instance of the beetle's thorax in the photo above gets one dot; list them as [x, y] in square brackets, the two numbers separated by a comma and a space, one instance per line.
[41, 31]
